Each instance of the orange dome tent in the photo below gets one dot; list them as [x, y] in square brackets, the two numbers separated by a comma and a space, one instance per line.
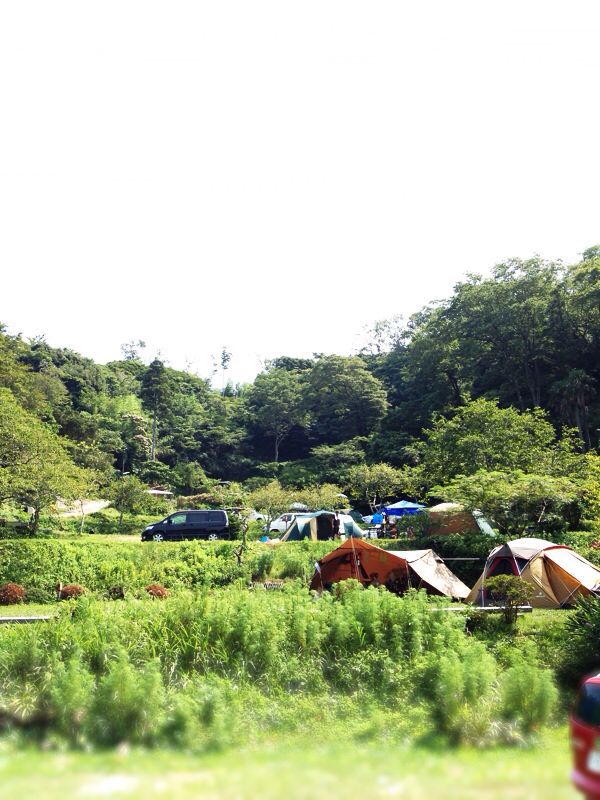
[397, 570]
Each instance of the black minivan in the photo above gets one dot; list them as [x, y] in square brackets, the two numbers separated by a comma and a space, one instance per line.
[193, 524]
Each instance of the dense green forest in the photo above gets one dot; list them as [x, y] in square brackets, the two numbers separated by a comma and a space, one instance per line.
[493, 391]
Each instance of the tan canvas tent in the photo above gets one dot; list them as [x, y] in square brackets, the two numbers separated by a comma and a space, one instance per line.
[558, 574]
[398, 570]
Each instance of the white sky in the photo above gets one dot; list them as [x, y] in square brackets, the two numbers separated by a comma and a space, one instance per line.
[196, 174]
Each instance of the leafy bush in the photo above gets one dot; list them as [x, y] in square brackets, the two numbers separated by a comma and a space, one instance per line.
[529, 696]
[512, 592]
[71, 592]
[70, 692]
[11, 594]
[211, 669]
[581, 644]
[41, 596]
[462, 685]
[116, 593]
[129, 704]
[262, 564]
[98, 565]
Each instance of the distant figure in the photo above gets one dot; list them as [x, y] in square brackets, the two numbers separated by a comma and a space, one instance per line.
[336, 525]
[377, 519]
[410, 532]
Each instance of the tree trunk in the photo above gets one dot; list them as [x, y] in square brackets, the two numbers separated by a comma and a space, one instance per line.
[35, 522]
[582, 421]
[82, 516]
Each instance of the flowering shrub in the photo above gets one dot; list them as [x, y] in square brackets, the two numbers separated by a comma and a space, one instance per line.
[11, 593]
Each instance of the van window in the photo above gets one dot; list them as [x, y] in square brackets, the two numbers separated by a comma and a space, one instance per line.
[216, 516]
[587, 708]
[198, 516]
[178, 519]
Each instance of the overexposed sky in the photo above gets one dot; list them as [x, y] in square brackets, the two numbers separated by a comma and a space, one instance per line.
[273, 176]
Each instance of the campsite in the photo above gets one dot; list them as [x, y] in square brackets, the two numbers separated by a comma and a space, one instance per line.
[400, 596]
[308, 635]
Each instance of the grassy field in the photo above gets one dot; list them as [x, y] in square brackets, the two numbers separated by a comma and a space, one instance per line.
[297, 771]
[28, 610]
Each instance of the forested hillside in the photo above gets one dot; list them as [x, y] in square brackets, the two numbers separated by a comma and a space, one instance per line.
[500, 378]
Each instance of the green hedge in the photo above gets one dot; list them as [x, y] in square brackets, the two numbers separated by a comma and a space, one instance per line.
[39, 564]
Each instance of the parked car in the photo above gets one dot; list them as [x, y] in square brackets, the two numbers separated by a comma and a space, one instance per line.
[208, 524]
[254, 516]
[585, 738]
[282, 523]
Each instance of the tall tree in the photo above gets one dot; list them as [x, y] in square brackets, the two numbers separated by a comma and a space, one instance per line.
[482, 436]
[275, 404]
[373, 483]
[35, 469]
[344, 399]
[156, 394]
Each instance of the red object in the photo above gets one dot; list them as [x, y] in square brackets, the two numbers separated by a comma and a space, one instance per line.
[585, 738]
[70, 592]
[157, 591]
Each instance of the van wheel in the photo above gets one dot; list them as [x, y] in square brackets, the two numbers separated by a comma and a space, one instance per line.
[212, 537]
[158, 537]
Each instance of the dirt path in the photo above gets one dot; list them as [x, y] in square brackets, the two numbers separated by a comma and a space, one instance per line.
[89, 507]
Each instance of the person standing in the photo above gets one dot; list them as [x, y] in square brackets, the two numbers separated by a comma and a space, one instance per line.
[336, 525]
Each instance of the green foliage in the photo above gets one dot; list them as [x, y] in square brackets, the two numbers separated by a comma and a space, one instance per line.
[518, 502]
[275, 404]
[529, 696]
[35, 469]
[480, 436]
[343, 398]
[462, 687]
[70, 689]
[326, 496]
[512, 592]
[204, 671]
[271, 500]
[373, 483]
[582, 640]
[129, 703]
[128, 493]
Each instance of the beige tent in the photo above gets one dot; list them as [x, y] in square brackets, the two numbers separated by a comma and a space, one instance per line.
[558, 574]
[397, 570]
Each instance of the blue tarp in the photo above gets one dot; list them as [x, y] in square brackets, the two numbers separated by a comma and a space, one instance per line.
[401, 508]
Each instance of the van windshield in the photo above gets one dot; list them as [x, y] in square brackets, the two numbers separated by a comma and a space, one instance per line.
[587, 708]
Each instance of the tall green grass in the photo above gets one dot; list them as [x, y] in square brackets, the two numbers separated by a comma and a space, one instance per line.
[216, 668]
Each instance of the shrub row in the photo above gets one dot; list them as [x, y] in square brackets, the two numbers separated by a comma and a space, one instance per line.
[40, 564]
[172, 671]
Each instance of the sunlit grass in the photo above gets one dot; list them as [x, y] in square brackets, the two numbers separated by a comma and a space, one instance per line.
[296, 771]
